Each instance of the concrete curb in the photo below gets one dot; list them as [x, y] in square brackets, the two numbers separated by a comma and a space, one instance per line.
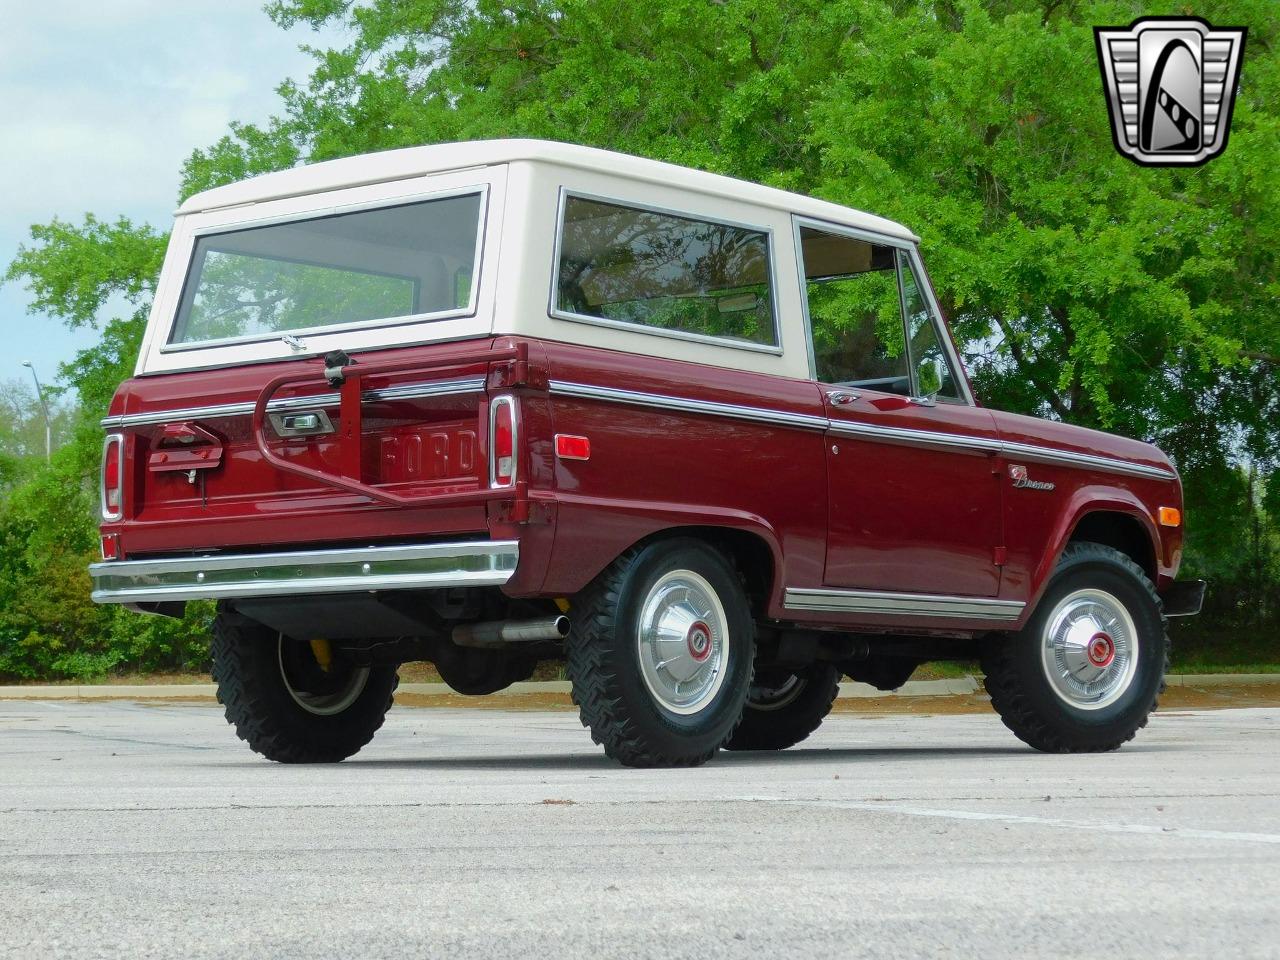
[1219, 679]
[957, 686]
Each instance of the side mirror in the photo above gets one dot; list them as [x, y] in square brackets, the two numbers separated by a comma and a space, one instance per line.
[929, 378]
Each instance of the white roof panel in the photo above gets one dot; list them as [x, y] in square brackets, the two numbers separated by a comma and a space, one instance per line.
[391, 165]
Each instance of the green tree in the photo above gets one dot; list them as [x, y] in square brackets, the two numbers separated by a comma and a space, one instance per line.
[22, 433]
[1088, 288]
[49, 629]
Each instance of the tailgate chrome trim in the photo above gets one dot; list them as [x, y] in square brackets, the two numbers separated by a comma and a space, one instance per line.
[223, 576]
[407, 391]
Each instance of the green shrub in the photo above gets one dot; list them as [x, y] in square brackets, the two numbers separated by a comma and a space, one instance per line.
[49, 628]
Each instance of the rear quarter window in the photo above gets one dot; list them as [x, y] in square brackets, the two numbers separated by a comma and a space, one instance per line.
[668, 273]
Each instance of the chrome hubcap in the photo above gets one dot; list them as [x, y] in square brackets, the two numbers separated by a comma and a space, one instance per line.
[1090, 649]
[683, 642]
[315, 690]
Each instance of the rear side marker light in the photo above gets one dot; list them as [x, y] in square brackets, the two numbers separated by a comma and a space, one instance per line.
[112, 476]
[110, 548]
[503, 429]
[570, 447]
[1170, 517]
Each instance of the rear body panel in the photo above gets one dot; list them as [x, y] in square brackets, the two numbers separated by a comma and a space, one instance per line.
[424, 436]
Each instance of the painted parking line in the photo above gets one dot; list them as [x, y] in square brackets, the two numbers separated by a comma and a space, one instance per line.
[1093, 826]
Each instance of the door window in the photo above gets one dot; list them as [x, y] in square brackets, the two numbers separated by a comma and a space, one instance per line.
[855, 312]
[930, 362]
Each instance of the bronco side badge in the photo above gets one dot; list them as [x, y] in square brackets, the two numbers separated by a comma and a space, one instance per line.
[1018, 474]
[1170, 84]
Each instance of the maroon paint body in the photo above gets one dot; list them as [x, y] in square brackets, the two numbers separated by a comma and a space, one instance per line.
[834, 508]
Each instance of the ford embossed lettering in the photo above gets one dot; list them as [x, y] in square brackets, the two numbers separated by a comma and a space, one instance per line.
[708, 443]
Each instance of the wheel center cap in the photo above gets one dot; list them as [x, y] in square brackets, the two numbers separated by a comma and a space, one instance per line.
[1102, 650]
[698, 639]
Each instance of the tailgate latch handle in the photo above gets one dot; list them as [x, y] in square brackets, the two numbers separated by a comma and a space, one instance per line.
[334, 363]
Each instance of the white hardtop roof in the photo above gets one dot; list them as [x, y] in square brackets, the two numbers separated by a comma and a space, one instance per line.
[390, 165]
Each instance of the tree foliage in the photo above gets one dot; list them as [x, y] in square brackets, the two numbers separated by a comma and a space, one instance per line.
[1083, 287]
[1089, 288]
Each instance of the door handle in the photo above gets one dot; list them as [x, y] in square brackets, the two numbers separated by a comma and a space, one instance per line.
[841, 396]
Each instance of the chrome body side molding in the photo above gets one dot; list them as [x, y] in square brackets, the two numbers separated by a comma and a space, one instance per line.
[408, 391]
[868, 431]
[901, 604]
[734, 411]
[221, 576]
[1088, 461]
[846, 428]
[781, 418]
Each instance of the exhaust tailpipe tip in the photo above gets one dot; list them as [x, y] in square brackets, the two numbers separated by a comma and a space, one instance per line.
[498, 633]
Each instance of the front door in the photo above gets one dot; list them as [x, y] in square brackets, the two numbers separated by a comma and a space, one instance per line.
[913, 499]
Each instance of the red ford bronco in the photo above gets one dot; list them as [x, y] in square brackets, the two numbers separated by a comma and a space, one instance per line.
[486, 404]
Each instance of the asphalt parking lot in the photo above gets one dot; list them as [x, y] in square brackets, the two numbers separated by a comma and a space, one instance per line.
[139, 830]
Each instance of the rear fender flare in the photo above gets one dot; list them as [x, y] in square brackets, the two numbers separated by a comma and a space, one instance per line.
[649, 521]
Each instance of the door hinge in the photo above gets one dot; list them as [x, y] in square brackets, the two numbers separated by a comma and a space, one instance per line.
[517, 373]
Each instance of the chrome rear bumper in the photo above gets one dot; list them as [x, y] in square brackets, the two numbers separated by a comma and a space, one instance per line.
[220, 576]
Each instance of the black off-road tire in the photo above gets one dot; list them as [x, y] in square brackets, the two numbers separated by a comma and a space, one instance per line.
[1015, 675]
[603, 659]
[257, 701]
[780, 725]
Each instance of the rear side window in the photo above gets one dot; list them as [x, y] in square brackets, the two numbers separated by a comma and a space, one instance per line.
[673, 274]
[392, 263]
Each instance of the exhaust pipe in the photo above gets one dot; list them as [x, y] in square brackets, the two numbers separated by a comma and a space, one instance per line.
[499, 633]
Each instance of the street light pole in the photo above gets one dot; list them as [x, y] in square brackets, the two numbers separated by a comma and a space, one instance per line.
[48, 428]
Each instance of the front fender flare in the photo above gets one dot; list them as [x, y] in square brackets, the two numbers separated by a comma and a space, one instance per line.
[1084, 501]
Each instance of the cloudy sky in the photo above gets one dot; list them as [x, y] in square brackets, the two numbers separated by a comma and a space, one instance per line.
[100, 102]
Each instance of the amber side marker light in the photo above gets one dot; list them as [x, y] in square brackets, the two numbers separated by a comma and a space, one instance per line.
[1170, 516]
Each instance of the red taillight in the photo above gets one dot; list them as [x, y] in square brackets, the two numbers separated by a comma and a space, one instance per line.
[502, 442]
[570, 447]
[112, 476]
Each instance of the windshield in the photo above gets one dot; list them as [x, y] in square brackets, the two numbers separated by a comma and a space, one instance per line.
[391, 263]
